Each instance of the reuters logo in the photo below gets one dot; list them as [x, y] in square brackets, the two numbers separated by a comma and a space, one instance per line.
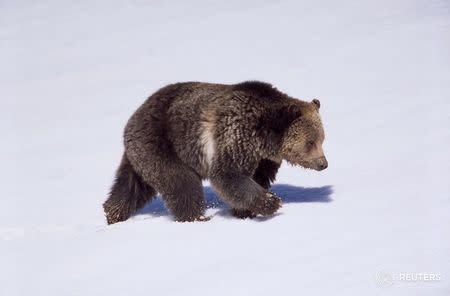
[384, 279]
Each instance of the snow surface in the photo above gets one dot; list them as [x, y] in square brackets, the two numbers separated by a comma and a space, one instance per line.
[72, 72]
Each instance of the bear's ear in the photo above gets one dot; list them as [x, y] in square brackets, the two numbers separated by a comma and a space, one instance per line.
[316, 103]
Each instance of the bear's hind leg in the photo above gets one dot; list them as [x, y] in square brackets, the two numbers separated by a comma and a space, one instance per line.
[128, 194]
[180, 187]
[182, 192]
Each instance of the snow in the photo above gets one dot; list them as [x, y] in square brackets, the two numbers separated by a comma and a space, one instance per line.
[72, 72]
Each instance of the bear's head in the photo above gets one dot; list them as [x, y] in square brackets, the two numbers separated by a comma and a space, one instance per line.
[303, 138]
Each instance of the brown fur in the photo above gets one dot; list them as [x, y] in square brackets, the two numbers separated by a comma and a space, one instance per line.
[233, 135]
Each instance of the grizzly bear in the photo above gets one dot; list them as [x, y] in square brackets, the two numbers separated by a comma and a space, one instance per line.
[236, 136]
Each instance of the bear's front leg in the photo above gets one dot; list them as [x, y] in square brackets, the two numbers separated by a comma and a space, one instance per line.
[246, 197]
[242, 213]
[266, 172]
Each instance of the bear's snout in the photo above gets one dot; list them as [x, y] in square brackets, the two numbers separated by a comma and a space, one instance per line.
[321, 163]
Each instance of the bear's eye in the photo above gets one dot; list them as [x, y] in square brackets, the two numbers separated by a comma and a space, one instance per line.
[309, 145]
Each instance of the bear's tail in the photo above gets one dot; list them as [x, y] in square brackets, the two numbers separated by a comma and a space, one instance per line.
[128, 194]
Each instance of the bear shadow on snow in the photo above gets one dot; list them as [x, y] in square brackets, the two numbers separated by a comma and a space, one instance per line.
[287, 193]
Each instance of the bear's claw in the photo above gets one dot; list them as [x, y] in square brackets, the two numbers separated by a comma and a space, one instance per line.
[203, 218]
[268, 205]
